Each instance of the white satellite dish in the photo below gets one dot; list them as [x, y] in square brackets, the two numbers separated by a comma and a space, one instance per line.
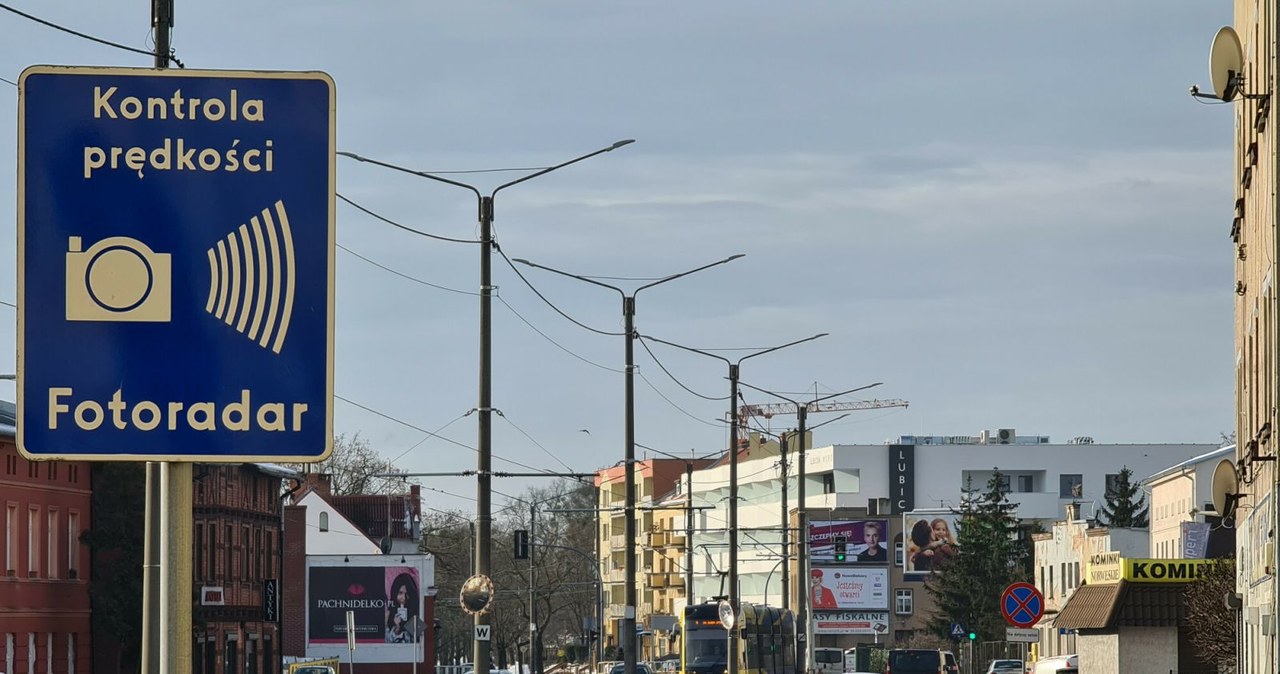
[1226, 63]
[726, 615]
[1224, 486]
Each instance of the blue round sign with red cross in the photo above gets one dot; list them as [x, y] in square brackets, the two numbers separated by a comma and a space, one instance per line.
[1022, 605]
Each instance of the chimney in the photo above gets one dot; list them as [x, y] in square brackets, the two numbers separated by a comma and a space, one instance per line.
[319, 483]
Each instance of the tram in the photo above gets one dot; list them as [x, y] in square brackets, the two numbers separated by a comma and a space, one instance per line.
[767, 643]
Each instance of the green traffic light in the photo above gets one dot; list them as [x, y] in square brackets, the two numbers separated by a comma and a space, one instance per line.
[973, 636]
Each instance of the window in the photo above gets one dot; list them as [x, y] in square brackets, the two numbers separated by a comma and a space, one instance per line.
[902, 602]
[198, 539]
[1006, 483]
[226, 544]
[897, 550]
[1066, 582]
[324, 521]
[1071, 486]
[1112, 479]
[33, 541]
[1026, 484]
[1051, 580]
[51, 562]
[828, 483]
[73, 545]
[11, 539]
[1075, 574]
[244, 553]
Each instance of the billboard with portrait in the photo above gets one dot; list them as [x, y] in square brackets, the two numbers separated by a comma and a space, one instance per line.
[384, 595]
[929, 540]
[844, 587]
[866, 541]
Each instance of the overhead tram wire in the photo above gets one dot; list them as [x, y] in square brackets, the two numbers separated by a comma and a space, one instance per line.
[7, 81]
[503, 416]
[672, 403]
[423, 430]
[393, 223]
[550, 303]
[672, 376]
[406, 276]
[558, 345]
[145, 52]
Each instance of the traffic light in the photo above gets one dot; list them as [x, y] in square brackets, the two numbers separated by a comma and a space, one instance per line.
[973, 636]
[521, 544]
[842, 547]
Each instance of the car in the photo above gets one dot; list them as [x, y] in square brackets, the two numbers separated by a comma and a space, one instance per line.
[921, 661]
[641, 668]
[1007, 667]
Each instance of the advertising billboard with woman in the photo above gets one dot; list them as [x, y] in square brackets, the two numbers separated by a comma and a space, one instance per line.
[929, 540]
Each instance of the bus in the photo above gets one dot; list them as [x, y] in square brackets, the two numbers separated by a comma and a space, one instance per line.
[767, 638]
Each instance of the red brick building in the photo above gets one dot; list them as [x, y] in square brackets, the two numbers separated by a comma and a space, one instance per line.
[237, 566]
[44, 589]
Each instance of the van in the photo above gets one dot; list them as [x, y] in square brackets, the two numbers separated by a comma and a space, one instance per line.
[828, 660]
[1062, 664]
[921, 661]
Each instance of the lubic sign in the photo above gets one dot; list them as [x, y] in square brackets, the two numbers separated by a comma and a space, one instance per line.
[175, 264]
[902, 476]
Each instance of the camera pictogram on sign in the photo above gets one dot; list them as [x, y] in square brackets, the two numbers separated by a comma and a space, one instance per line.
[117, 279]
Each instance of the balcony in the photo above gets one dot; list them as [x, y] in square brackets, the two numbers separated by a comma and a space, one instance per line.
[657, 580]
[676, 541]
[657, 539]
[618, 542]
[617, 575]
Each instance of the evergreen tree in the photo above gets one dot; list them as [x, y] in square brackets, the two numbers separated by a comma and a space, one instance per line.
[1126, 505]
[967, 587]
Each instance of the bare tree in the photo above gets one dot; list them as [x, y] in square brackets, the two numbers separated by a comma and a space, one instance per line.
[1212, 623]
[351, 468]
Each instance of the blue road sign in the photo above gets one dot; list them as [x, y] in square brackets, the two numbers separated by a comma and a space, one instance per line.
[1022, 605]
[957, 631]
[175, 264]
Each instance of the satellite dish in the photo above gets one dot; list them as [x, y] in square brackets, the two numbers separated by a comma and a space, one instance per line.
[476, 596]
[726, 615]
[1224, 488]
[1226, 61]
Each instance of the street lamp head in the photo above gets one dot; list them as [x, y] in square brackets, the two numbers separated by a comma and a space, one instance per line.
[621, 143]
[521, 261]
[731, 258]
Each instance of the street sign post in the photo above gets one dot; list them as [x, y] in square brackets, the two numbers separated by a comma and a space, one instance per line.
[1022, 605]
[957, 631]
[175, 264]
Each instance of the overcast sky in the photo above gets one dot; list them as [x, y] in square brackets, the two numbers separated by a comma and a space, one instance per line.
[1010, 213]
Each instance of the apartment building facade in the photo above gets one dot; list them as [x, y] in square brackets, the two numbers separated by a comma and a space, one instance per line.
[45, 622]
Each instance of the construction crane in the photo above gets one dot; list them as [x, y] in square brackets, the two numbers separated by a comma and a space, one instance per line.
[767, 411]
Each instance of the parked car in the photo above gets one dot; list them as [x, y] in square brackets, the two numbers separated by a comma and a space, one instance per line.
[921, 661]
[1065, 664]
[641, 668]
[1007, 667]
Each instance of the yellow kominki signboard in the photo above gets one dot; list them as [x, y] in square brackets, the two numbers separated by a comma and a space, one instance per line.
[1163, 570]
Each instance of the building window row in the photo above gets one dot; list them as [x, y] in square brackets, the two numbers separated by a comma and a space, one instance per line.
[44, 542]
[52, 645]
[247, 551]
[33, 469]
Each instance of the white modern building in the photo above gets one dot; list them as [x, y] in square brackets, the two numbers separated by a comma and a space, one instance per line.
[889, 480]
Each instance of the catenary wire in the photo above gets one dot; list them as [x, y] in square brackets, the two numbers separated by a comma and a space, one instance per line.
[404, 275]
[549, 303]
[546, 451]
[645, 344]
[554, 342]
[8, 81]
[406, 228]
[9, 304]
[677, 407]
[86, 36]
[435, 433]
[423, 430]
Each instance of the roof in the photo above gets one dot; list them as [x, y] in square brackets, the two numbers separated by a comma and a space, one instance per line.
[1124, 604]
[1090, 607]
[8, 418]
[1207, 456]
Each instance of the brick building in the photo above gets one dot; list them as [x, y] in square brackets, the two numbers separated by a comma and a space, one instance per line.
[44, 592]
[236, 515]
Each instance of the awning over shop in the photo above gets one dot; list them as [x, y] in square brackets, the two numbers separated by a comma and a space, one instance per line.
[1123, 604]
[1090, 607]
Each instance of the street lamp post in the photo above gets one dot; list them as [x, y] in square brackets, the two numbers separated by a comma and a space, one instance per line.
[734, 367]
[802, 553]
[629, 332]
[483, 419]
[688, 517]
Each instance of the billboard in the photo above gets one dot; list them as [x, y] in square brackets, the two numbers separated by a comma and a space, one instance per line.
[850, 622]
[929, 540]
[866, 541]
[845, 587]
[385, 596]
